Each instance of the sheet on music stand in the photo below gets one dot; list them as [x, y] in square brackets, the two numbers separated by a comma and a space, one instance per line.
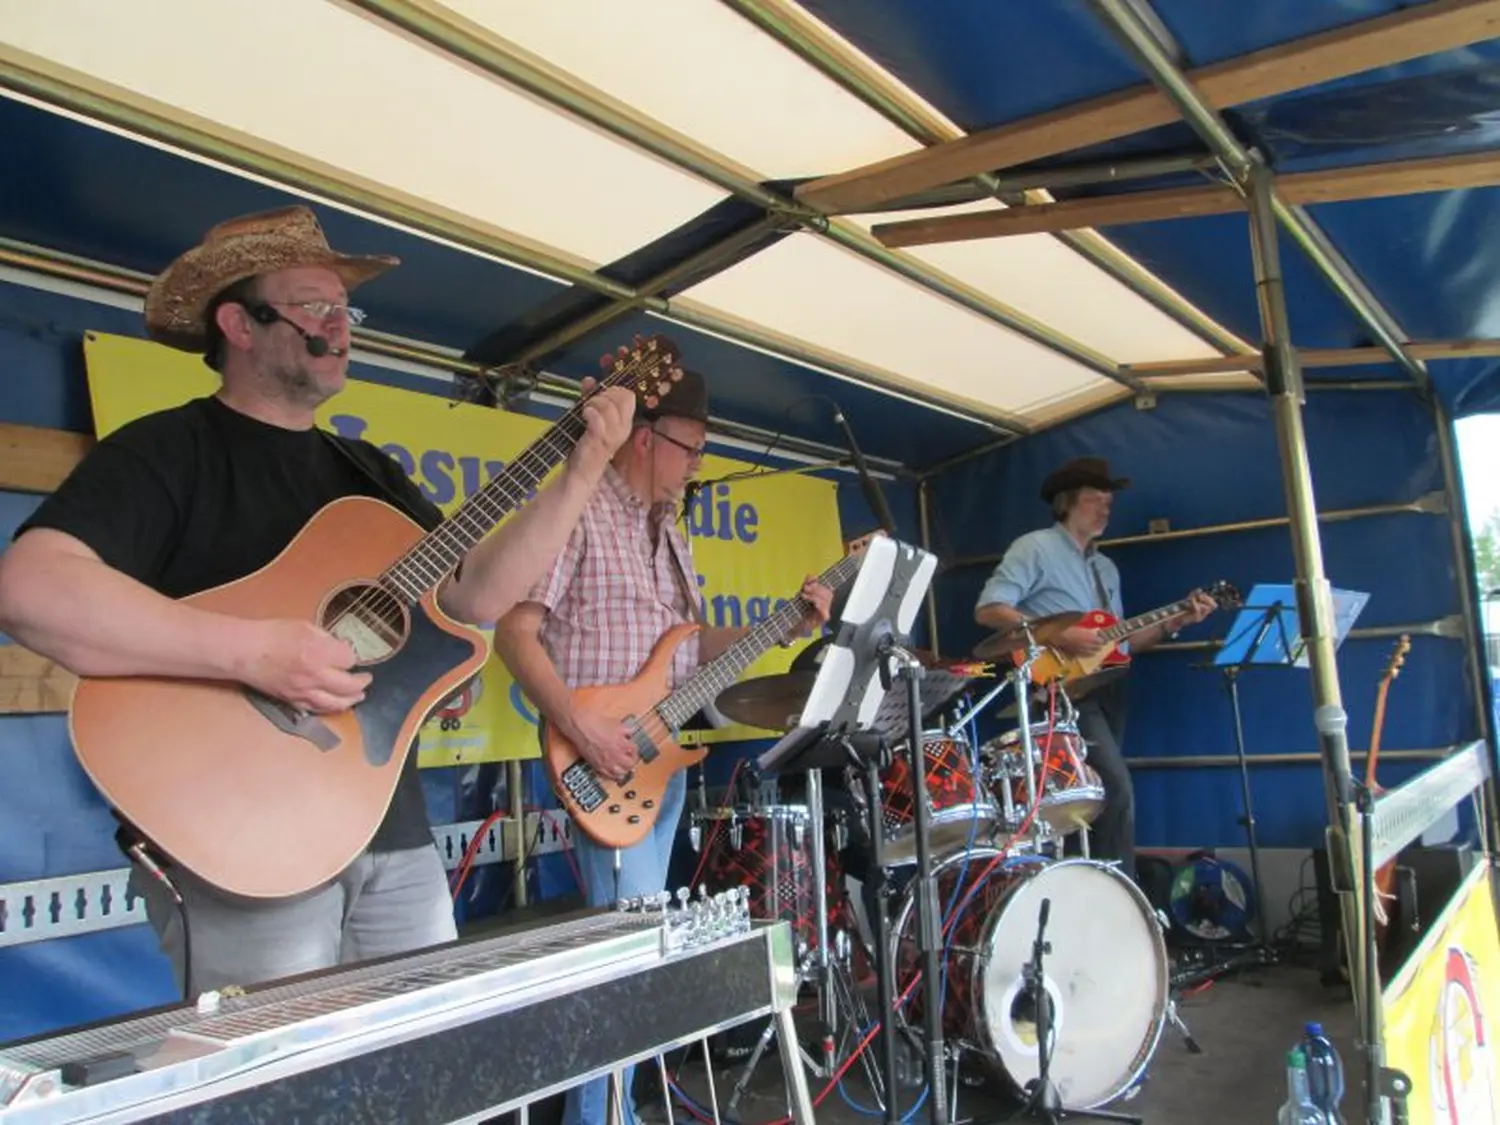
[1282, 642]
[847, 694]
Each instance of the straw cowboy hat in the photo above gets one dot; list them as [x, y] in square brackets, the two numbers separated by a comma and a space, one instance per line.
[290, 238]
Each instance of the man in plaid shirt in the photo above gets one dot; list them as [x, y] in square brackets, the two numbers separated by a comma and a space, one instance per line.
[625, 577]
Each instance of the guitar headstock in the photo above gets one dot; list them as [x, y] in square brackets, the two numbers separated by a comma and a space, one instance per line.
[1398, 658]
[1225, 594]
[650, 367]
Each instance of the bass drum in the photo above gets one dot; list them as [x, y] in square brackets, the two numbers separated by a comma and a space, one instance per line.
[1107, 973]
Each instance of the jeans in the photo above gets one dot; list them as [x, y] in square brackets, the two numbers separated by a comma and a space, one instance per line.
[643, 871]
[1101, 722]
[384, 903]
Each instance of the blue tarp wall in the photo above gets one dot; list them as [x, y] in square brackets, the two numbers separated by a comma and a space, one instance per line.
[1202, 459]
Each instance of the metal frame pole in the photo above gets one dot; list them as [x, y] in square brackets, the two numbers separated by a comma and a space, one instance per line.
[1314, 601]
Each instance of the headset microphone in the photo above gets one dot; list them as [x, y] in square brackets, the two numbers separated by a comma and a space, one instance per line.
[317, 346]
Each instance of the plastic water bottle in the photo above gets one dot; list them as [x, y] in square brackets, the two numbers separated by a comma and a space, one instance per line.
[1298, 1109]
[1325, 1072]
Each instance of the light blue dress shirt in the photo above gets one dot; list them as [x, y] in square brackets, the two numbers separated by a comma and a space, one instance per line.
[1045, 572]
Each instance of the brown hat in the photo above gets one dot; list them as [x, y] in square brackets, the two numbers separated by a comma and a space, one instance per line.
[289, 238]
[1082, 472]
[685, 397]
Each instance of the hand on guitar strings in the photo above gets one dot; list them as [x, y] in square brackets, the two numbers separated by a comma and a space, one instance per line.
[1202, 606]
[608, 415]
[819, 600]
[603, 743]
[300, 664]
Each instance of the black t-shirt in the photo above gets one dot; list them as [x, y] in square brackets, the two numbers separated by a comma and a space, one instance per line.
[200, 495]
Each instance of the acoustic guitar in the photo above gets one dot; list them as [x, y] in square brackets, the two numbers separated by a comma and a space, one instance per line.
[1083, 672]
[264, 800]
[1385, 875]
[618, 814]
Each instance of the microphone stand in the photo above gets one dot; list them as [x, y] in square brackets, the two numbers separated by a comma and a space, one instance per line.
[873, 496]
[928, 916]
[1045, 1103]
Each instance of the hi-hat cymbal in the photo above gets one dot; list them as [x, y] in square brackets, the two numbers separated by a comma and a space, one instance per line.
[768, 702]
[1006, 641]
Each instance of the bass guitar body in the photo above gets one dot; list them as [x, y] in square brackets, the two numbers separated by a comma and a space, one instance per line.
[611, 813]
[246, 793]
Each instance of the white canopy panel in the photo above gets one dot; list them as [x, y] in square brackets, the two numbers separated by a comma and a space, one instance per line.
[1039, 276]
[812, 290]
[705, 72]
[329, 84]
[336, 86]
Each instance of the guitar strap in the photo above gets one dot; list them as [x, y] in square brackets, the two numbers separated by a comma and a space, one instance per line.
[1099, 590]
[385, 491]
[685, 583]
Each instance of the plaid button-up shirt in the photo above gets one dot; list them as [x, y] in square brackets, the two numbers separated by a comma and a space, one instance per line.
[615, 589]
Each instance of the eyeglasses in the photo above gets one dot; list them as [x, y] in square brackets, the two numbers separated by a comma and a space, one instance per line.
[323, 310]
[694, 452]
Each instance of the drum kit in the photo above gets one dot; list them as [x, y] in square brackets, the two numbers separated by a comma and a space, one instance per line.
[999, 817]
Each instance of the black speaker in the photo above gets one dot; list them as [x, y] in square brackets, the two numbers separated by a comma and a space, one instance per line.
[1426, 879]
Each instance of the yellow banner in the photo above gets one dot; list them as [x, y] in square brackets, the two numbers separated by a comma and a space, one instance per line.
[753, 541]
[1441, 1012]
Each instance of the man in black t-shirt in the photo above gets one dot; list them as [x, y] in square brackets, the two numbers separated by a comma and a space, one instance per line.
[196, 496]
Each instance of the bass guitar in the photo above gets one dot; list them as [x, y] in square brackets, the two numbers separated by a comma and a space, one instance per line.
[618, 814]
[1081, 673]
[259, 798]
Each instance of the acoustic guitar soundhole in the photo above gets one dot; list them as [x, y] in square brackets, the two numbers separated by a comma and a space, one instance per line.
[371, 618]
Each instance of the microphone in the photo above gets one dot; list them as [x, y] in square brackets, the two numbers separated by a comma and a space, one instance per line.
[317, 346]
[873, 496]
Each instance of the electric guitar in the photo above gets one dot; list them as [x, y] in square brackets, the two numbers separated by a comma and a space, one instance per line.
[615, 814]
[260, 798]
[1083, 672]
[1385, 875]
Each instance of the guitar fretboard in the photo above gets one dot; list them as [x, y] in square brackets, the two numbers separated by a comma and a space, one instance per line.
[437, 553]
[706, 684]
[1143, 621]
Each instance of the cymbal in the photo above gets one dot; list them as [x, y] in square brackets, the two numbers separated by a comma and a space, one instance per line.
[1006, 641]
[768, 702]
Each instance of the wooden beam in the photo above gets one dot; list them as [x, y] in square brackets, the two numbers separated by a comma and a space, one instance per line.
[1316, 357]
[1328, 185]
[1071, 214]
[36, 460]
[31, 684]
[1422, 29]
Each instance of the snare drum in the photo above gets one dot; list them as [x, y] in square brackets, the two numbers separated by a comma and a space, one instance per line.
[1107, 973]
[1071, 792]
[961, 812]
[769, 849]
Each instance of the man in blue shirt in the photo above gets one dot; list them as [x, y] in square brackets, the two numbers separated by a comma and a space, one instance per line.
[1060, 570]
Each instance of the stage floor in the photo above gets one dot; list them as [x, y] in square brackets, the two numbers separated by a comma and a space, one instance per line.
[1245, 1025]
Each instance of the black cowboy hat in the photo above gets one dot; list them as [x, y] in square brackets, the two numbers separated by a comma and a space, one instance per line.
[1082, 472]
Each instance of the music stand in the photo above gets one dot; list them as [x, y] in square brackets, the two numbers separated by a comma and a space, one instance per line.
[1267, 632]
[840, 725]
